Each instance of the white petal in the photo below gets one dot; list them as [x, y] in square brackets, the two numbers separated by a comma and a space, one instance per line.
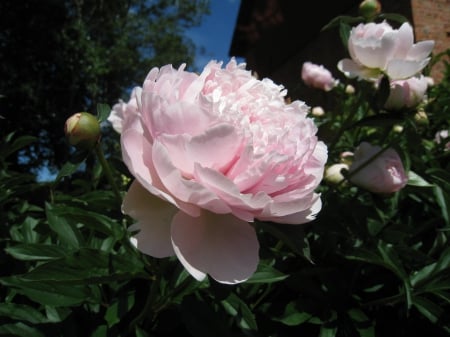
[222, 246]
[153, 216]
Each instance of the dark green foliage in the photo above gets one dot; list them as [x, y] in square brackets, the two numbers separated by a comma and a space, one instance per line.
[62, 57]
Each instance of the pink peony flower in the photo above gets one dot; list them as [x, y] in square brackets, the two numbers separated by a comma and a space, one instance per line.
[121, 109]
[406, 93]
[384, 174]
[317, 76]
[377, 48]
[211, 153]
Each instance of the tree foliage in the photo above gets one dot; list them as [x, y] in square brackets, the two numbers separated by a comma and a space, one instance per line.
[62, 57]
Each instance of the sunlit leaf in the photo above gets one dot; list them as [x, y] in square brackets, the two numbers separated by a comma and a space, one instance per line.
[103, 111]
[239, 309]
[415, 180]
[36, 251]
[266, 274]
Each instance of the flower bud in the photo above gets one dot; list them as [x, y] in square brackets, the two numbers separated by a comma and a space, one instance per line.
[369, 9]
[376, 171]
[317, 111]
[82, 130]
[421, 118]
[333, 174]
[349, 89]
[397, 128]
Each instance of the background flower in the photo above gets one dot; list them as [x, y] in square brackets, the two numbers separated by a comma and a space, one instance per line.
[377, 172]
[317, 76]
[210, 153]
[377, 48]
[407, 93]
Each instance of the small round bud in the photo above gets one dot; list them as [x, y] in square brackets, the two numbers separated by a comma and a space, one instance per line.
[317, 111]
[333, 174]
[349, 89]
[369, 9]
[397, 128]
[82, 130]
[421, 118]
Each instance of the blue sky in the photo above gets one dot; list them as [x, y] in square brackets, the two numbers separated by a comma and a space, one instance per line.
[216, 32]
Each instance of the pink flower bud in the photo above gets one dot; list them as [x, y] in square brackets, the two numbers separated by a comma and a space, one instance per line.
[407, 93]
[317, 76]
[377, 172]
[82, 130]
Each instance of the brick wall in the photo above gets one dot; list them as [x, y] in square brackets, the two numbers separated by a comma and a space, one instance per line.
[432, 22]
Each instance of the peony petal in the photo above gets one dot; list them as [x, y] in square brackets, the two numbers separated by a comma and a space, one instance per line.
[185, 150]
[153, 216]
[295, 212]
[134, 146]
[405, 39]
[350, 68]
[242, 205]
[402, 69]
[222, 246]
[204, 147]
[188, 191]
[421, 50]
[178, 117]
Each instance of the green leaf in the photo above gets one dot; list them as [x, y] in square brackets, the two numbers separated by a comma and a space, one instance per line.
[103, 111]
[350, 20]
[92, 220]
[393, 17]
[292, 316]
[50, 293]
[266, 274]
[68, 234]
[87, 266]
[16, 145]
[327, 331]
[344, 32]
[36, 251]
[71, 166]
[239, 309]
[429, 309]
[22, 312]
[20, 330]
[441, 200]
[415, 180]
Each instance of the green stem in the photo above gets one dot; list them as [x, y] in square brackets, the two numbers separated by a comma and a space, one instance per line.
[108, 173]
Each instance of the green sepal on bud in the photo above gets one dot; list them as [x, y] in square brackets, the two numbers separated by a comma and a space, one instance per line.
[369, 9]
[82, 130]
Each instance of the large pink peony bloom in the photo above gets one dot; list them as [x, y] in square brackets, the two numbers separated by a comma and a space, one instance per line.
[377, 172]
[211, 153]
[377, 48]
[407, 93]
[317, 76]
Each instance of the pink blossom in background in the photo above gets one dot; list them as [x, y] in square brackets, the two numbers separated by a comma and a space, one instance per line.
[407, 93]
[211, 153]
[377, 48]
[440, 137]
[384, 174]
[317, 76]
